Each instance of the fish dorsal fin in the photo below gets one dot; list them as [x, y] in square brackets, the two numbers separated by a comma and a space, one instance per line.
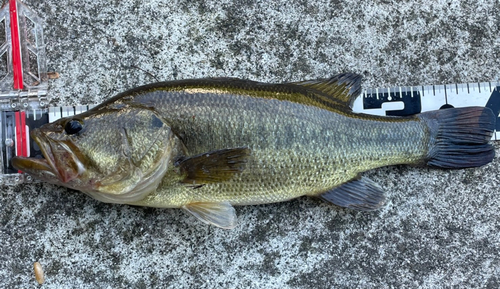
[213, 167]
[220, 214]
[344, 87]
[360, 194]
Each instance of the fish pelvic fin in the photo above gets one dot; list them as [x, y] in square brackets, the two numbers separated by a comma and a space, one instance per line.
[343, 88]
[460, 137]
[213, 167]
[222, 215]
[360, 194]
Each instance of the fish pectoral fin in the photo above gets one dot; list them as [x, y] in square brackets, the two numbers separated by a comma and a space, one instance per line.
[213, 167]
[360, 194]
[220, 214]
[344, 87]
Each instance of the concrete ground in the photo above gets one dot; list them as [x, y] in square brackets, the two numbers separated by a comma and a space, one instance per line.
[438, 229]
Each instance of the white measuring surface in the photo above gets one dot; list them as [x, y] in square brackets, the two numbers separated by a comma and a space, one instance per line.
[403, 101]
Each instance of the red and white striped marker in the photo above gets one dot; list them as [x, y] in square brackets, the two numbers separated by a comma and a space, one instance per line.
[17, 64]
[17, 69]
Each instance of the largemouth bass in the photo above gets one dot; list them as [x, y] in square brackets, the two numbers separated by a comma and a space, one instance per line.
[208, 145]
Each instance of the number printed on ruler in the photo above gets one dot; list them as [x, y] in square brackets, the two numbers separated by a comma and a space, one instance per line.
[402, 101]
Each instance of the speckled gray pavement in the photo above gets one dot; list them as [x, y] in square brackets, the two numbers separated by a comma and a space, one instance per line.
[439, 229]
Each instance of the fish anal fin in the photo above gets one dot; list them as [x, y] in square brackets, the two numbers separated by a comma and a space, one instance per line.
[213, 167]
[360, 194]
[344, 87]
[222, 215]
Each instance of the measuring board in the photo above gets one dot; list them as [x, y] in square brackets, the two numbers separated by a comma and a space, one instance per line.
[396, 101]
[404, 101]
[24, 102]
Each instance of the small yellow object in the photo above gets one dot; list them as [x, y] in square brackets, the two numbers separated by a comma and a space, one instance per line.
[38, 273]
[52, 75]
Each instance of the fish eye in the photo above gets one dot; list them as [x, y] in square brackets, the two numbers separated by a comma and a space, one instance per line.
[73, 126]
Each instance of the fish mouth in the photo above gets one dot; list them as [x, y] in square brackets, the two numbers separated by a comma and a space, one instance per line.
[44, 168]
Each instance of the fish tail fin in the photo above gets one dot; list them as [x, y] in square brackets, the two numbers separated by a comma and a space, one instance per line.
[460, 137]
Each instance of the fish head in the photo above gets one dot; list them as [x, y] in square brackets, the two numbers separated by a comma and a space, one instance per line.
[115, 155]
